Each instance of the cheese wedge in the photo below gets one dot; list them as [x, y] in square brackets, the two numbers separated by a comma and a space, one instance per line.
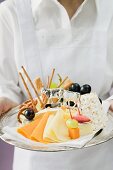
[56, 129]
[37, 133]
[49, 135]
[27, 130]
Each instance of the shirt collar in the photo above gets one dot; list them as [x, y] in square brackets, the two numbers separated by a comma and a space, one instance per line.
[65, 21]
[35, 4]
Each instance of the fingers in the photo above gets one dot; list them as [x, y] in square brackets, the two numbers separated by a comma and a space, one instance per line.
[1, 109]
[111, 108]
[111, 105]
[6, 104]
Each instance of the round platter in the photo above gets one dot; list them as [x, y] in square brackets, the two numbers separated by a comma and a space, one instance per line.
[10, 120]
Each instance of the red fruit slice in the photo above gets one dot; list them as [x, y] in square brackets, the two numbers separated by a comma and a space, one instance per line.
[81, 118]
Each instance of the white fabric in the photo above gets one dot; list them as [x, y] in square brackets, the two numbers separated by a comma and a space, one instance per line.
[80, 48]
[11, 133]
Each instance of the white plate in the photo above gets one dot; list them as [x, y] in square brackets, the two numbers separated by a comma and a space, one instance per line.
[10, 119]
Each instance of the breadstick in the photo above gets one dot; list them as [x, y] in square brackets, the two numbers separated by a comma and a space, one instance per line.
[48, 82]
[25, 72]
[60, 78]
[27, 90]
[62, 82]
[66, 86]
[51, 78]
[45, 99]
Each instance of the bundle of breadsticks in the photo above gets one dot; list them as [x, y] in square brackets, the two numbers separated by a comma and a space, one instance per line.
[41, 98]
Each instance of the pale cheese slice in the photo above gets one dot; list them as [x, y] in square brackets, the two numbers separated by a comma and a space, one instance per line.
[56, 128]
[48, 135]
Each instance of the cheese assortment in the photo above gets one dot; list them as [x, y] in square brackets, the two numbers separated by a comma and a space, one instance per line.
[60, 112]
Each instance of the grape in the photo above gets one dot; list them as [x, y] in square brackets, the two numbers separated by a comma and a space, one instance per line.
[29, 114]
[71, 123]
[85, 89]
[53, 85]
[75, 87]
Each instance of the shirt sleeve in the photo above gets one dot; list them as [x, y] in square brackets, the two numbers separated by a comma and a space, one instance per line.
[8, 71]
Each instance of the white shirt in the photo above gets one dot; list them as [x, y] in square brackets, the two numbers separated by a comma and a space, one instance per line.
[80, 48]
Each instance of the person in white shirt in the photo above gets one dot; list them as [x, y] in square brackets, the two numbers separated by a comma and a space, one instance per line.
[73, 36]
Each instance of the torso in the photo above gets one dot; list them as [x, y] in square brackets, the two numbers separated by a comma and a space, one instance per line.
[87, 35]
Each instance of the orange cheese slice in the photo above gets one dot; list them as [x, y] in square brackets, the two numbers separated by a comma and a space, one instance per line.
[37, 133]
[27, 130]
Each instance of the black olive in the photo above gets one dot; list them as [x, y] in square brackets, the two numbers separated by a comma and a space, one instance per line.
[85, 89]
[29, 114]
[75, 87]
